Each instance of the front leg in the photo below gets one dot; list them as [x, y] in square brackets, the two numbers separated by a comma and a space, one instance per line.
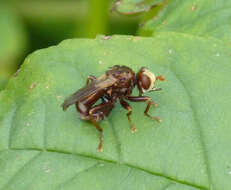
[90, 78]
[149, 103]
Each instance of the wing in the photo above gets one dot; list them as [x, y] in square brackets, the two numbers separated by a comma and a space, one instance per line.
[100, 83]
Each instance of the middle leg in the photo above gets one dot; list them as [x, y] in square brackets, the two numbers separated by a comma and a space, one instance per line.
[149, 103]
[128, 107]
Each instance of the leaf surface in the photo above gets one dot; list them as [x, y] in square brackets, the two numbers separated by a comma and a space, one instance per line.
[135, 6]
[202, 18]
[12, 43]
[42, 147]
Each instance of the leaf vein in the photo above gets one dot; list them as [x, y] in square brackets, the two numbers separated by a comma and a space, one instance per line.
[20, 169]
[200, 133]
[76, 175]
[128, 165]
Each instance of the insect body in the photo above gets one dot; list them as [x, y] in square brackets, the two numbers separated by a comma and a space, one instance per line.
[116, 84]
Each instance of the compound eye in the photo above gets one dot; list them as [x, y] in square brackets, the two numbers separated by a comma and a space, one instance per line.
[145, 80]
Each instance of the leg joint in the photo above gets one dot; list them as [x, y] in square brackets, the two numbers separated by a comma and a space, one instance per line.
[129, 113]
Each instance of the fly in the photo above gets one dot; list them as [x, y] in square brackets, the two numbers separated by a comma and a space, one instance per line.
[116, 84]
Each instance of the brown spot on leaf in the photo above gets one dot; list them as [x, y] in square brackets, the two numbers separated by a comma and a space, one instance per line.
[106, 37]
[32, 86]
[16, 73]
[164, 22]
[135, 39]
[155, 17]
[114, 8]
[194, 7]
[58, 97]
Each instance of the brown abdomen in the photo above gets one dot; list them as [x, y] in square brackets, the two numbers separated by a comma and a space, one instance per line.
[85, 104]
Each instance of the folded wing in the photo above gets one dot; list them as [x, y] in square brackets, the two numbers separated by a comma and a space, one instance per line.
[100, 83]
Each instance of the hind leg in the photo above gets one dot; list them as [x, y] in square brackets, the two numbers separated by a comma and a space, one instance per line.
[98, 113]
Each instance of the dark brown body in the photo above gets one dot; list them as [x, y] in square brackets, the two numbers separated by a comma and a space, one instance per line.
[125, 82]
[116, 84]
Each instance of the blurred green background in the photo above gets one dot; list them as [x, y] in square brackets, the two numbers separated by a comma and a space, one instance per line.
[28, 25]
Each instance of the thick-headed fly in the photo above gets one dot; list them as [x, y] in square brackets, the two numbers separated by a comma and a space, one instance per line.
[117, 83]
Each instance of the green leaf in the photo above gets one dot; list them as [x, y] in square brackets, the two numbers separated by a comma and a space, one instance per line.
[135, 6]
[43, 147]
[202, 18]
[13, 43]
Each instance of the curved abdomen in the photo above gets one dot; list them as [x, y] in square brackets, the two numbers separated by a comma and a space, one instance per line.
[83, 106]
